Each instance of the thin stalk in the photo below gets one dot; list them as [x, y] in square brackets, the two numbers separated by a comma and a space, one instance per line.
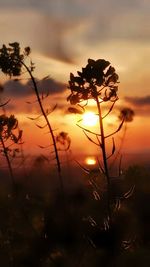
[48, 124]
[8, 162]
[121, 146]
[103, 147]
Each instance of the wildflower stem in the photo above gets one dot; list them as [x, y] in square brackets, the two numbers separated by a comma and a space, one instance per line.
[8, 161]
[103, 147]
[48, 124]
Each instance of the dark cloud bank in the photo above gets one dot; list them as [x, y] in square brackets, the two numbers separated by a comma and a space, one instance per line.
[139, 101]
[17, 89]
[140, 105]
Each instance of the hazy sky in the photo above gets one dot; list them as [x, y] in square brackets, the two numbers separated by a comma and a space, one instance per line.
[71, 31]
[63, 34]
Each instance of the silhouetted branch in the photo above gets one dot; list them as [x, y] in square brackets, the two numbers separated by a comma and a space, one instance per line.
[87, 129]
[111, 108]
[41, 127]
[113, 149]
[100, 166]
[90, 138]
[5, 103]
[36, 118]
[118, 129]
[129, 193]
[83, 168]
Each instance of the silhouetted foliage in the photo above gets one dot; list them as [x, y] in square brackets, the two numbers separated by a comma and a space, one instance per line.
[127, 114]
[11, 59]
[96, 222]
[8, 124]
[97, 79]
[63, 140]
[13, 63]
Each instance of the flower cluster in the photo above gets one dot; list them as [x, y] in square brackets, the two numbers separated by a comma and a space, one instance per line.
[7, 125]
[126, 114]
[63, 140]
[11, 59]
[97, 79]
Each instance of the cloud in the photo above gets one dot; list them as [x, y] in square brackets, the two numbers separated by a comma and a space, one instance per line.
[139, 101]
[22, 98]
[140, 105]
[62, 27]
[68, 31]
[16, 89]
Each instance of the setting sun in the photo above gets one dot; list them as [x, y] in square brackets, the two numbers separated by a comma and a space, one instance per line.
[90, 161]
[90, 119]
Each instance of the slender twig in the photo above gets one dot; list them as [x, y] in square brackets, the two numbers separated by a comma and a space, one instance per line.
[90, 139]
[111, 108]
[8, 162]
[106, 172]
[48, 123]
[87, 129]
[118, 129]
[82, 167]
[120, 148]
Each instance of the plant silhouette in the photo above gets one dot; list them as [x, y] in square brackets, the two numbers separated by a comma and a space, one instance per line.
[97, 81]
[12, 63]
[72, 229]
[8, 124]
[126, 114]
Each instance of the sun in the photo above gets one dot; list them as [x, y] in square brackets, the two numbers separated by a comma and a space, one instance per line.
[89, 119]
[90, 161]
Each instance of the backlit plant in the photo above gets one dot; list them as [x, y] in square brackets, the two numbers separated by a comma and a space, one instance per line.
[97, 81]
[9, 136]
[13, 63]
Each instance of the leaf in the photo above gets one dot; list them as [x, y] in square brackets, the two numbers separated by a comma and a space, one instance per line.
[91, 62]
[80, 73]
[82, 167]
[75, 110]
[43, 147]
[45, 158]
[71, 76]
[110, 71]
[27, 50]
[41, 127]
[119, 128]
[130, 192]
[111, 108]
[53, 108]
[96, 195]
[114, 147]
[117, 204]
[92, 221]
[31, 118]
[45, 78]
[4, 104]
[90, 139]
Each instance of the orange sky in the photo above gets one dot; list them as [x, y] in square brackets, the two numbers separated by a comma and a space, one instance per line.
[63, 35]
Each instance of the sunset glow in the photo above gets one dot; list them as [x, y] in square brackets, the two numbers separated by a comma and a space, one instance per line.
[74, 133]
[90, 161]
[63, 48]
[90, 119]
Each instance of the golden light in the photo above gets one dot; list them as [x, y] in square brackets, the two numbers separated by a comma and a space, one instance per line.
[90, 161]
[89, 119]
